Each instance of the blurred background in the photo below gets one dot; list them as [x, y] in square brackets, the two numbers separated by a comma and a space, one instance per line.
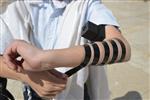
[127, 81]
[130, 81]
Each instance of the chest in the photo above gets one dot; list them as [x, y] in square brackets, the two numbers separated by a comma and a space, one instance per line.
[46, 22]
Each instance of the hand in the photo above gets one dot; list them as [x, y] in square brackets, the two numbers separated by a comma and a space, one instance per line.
[30, 56]
[46, 84]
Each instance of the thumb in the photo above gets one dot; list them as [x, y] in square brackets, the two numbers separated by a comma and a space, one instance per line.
[10, 63]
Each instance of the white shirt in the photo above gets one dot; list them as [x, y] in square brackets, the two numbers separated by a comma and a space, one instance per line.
[46, 16]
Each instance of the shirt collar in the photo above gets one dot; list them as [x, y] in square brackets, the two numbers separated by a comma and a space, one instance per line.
[56, 3]
[60, 4]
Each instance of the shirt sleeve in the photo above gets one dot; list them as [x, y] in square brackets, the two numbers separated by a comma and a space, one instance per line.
[5, 36]
[98, 13]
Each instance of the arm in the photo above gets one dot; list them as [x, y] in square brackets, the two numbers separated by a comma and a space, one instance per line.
[70, 57]
[8, 73]
[74, 56]
[45, 83]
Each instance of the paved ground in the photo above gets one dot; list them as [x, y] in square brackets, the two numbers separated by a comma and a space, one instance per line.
[131, 80]
[127, 81]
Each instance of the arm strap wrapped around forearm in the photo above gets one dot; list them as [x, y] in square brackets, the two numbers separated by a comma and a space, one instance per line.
[97, 32]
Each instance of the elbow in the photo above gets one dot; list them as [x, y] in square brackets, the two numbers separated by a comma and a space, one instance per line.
[125, 51]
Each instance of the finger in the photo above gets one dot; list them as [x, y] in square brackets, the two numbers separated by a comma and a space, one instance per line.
[46, 95]
[59, 86]
[55, 89]
[19, 69]
[49, 97]
[11, 64]
[11, 50]
[9, 58]
[51, 94]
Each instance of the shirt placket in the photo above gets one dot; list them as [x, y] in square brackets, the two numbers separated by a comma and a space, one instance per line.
[52, 27]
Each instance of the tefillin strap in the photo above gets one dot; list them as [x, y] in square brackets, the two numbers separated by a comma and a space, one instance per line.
[91, 32]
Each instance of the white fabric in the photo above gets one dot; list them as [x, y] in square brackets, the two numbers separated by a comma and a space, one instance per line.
[29, 23]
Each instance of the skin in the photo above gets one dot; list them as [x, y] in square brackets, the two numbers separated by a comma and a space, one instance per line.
[45, 83]
[34, 59]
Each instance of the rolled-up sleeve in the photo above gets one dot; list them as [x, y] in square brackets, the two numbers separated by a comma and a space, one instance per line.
[98, 13]
[5, 36]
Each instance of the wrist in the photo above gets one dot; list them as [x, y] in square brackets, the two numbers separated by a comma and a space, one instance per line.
[46, 59]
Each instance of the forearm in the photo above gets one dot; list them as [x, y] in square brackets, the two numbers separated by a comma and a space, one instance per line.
[8, 73]
[114, 48]
[49, 81]
[74, 56]
[69, 57]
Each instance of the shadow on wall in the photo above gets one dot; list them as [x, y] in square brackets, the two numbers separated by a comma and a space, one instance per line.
[131, 95]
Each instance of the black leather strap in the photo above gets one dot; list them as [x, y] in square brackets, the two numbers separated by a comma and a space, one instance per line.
[84, 63]
[115, 51]
[93, 32]
[96, 54]
[107, 52]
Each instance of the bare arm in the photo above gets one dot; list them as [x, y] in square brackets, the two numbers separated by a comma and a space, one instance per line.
[69, 57]
[46, 83]
[74, 56]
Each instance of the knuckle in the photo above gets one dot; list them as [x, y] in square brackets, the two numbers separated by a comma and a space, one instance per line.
[45, 89]
[43, 94]
[39, 93]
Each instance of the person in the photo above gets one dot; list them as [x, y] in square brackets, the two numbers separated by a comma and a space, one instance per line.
[48, 37]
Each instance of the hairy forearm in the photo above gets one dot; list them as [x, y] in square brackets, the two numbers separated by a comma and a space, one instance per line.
[8, 73]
